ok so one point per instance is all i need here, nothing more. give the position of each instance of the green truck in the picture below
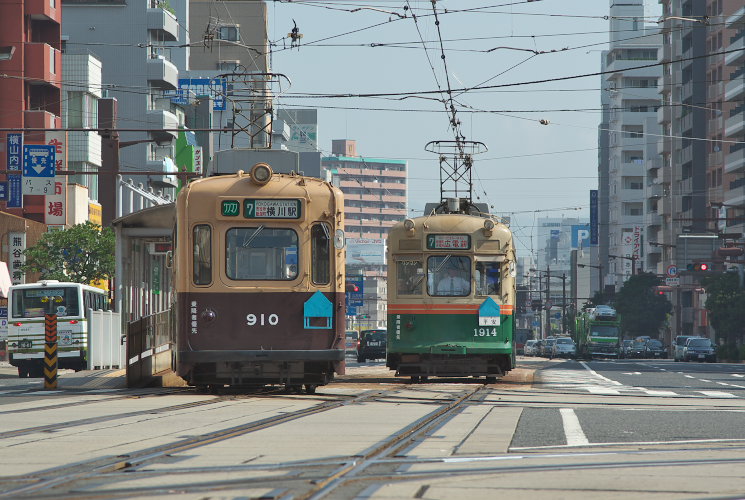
(597, 333)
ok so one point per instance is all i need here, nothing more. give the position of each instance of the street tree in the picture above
(725, 301)
(82, 253)
(642, 311)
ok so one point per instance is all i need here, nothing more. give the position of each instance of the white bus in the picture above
(27, 305)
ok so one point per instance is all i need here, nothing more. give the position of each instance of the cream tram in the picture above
(259, 277)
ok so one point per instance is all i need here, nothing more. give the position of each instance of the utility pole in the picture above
(563, 302)
(548, 300)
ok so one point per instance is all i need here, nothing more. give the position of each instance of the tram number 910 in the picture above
(262, 319)
(484, 332)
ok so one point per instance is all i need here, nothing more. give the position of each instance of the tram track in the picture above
(46, 481)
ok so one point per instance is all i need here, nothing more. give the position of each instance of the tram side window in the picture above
(320, 237)
(202, 254)
(261, 253)
(449, 275)
(409, 277)
(487, 278)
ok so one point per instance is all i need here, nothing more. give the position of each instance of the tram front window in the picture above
(410, 277)
(449, 275)
(261, 253)
(487, 278)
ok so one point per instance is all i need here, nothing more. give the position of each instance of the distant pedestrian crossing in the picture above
(588, 381)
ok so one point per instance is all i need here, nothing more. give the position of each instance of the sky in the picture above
(531, 170)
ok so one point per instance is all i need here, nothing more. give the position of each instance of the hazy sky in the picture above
(531, 170)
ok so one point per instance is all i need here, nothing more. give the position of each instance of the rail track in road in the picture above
(49, 482)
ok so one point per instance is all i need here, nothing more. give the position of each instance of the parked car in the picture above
(564, 347)
(679, 344)
(547, 347)
(539, 347)
(625, 348)
(699, 349)
(372, 345)
(350, 341)
(654, 349)
(530, 347)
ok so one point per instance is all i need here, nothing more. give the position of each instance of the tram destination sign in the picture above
(448, 242)
(271, 209)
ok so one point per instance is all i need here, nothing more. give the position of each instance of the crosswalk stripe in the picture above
(603, 390)
(717, 394)
(659, 393)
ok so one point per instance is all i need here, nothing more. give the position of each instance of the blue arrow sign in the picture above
(39, 160)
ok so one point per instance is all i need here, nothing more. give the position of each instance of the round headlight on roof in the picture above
(488, 224)
(409, 224)
(261, 173)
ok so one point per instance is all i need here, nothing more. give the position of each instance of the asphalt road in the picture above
(550, 429)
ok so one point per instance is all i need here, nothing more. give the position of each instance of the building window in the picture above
(52, 61)
(202, 254)
(230, 33)
(228, 66)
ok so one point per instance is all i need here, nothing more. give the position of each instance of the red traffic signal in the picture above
(703, 266)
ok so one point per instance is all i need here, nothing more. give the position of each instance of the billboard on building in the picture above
(365, 251)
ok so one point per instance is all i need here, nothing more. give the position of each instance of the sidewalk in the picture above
(86, 379)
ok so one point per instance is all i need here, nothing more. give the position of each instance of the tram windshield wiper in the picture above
(248, 241)
(437, 270)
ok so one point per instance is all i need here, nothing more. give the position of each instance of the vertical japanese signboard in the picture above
(55, 208)
(15, 156)
(17, 244)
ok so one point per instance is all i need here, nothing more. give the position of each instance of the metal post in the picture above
(563, 302)
(548, 300)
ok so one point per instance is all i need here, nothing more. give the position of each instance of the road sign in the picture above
(39, 168)
(672, 271)
(672, 281)
(355, 290)
(3, 190)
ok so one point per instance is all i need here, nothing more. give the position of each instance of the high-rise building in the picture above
(374, 189)
(731, 74)
(143, 46)
(630, 187)
(31, 93)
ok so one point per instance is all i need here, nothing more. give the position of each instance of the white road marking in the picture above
(598, 375)
(717, 394)
(572, 428)
(602, 390)
(704, 380)
(722, 383)
(632, 373)
(633, 443)
(737, 375)
(659, 393)
(689, 376)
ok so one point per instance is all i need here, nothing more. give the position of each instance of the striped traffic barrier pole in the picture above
(50, 351)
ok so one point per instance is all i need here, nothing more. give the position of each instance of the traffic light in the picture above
(663, 289)
(536, 304)
(699, 266)
(351, 287)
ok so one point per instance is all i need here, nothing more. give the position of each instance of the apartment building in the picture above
(733, 80)
(630, 186)
(374, 189)
(31, 95)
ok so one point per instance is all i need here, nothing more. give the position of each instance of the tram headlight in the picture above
(488, 227)
(208, 315)
(409, 225)
(261, 173)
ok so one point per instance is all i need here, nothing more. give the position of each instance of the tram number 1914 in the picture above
(262, 319)
(484, 332)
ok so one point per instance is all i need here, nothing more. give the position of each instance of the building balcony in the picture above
(653, 219)
(686, 90)
(664, 113)
(654, 191)
(42, 119)
(686, 122)
(161, 119)
(735, 125)
(633, 169)
(714, 159)
(715, 91)
(736, 57)
(654, 163)
(734, 90)
(735, 18)
(686, 186)
(163, 72)
(42, 10)
(42, 64)
(164, 23)
(715, 125)
(166, 166)
(735, 162)
(664, 145)
(735, 196)
(686, 155)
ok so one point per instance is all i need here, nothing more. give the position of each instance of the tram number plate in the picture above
(25, 344)
(485, 332)
(488, 320)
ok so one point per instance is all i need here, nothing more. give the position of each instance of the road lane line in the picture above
(737, 375)
(704, 380)
(689, 376)
(572, 428)
(717, 394)
(603, 390)
(722, 383)
(598, 375)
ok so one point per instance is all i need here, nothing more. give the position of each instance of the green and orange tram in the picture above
(451, 296)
